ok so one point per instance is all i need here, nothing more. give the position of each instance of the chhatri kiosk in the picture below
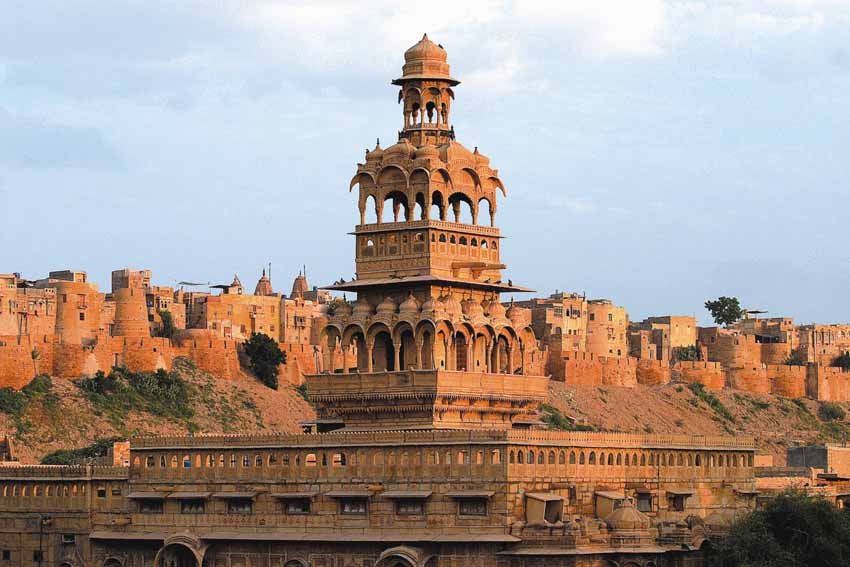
(427, 451)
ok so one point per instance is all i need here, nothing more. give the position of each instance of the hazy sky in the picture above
(657, 153)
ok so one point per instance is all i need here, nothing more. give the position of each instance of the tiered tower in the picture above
(428, 342)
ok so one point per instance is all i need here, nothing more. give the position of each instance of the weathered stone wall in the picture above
(827, 383)
(17, 367)
(709, 374)
(653, 372)
(577, 367)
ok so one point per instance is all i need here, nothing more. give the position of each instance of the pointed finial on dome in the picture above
(476, 150)
(424, 36)
(377, 142)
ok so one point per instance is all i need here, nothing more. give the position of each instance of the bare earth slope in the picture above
(65, 418)
(775, 422)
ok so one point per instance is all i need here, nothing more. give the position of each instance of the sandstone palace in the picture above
(428, 449)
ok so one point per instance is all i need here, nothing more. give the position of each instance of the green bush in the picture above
(710, 400)
(793, 529)
(691, 352)
(160, 393)
(100, 448)
(830, 411)
(265, 356)
(553, 417)
(842, 361)
(168, 329)
(796, 358)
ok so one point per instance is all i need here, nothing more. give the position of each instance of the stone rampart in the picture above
(785, 380)
(709, 374)
(653, 372)
(584, 368)
(17, 364)
(827, 383)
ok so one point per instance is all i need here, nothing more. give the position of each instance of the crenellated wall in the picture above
(827, 383)
(653, 372)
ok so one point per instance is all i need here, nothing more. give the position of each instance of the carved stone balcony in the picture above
(428, 399)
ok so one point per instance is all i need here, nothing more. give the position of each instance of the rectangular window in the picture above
(101, 492)
(194, 506)
(150, 507)
(69, 539)
(644, 502)
(677, 503)
(240, 506)
(82, 316)
(353, 506)
(7, 555)
(116, 491)
(472, 507)
(38, 555)
(297, 506)
(409, 507)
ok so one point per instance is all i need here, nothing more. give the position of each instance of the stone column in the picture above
(370, 346)
(345, 349)
(396, 357)
(420, 342)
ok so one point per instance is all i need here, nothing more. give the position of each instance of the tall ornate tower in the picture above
(428, 342)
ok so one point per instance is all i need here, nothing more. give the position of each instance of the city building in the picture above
(427, 450)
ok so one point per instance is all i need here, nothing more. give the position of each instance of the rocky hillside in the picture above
(52, 414)
(775, 422)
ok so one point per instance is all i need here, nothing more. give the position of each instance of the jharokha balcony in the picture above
(428, 399)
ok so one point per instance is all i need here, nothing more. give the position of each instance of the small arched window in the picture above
(511, 458)
(462, 241)
(540, 458)
(573, 457)
(520, 457)
(442, 238)
(581, 458)
(562, 458)
(592, 459)
(620, 459)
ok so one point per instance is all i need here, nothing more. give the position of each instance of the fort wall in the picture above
(709, 374)
(17, 366)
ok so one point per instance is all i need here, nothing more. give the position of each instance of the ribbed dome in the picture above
(453, 306)
(455, 150)
(299, 286)
(425, 49)
(480, 159)
(432, 305)
(362, 309)
(409, 306)
(472, 307)
(496, 310)
(627, 517)
(425, 60)
(428, 151)
(402, 149)
(387, 306)
(517, 315)
(343, 309)
(376, 154)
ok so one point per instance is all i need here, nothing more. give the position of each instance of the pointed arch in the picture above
(357, 179)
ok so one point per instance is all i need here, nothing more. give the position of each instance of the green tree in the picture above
(792, 530)
(842, 361)
(265, 356)
(830, 411)
(796, 358)
(690, 352)
(168, 328)
(36, 356)
(725, 310)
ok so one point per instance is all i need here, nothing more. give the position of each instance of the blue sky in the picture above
(657, 153)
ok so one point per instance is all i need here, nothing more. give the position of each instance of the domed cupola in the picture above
(480, 159)
(375, 155)
(399, 152)
(433, 305)
(519, 316)
(497, 312)
(409, 306)
(627, 518)
(343, 310)
(362, 310)
(474, 310)
(426, 60)
(387, 307)
(453, 306)
(428, 152)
